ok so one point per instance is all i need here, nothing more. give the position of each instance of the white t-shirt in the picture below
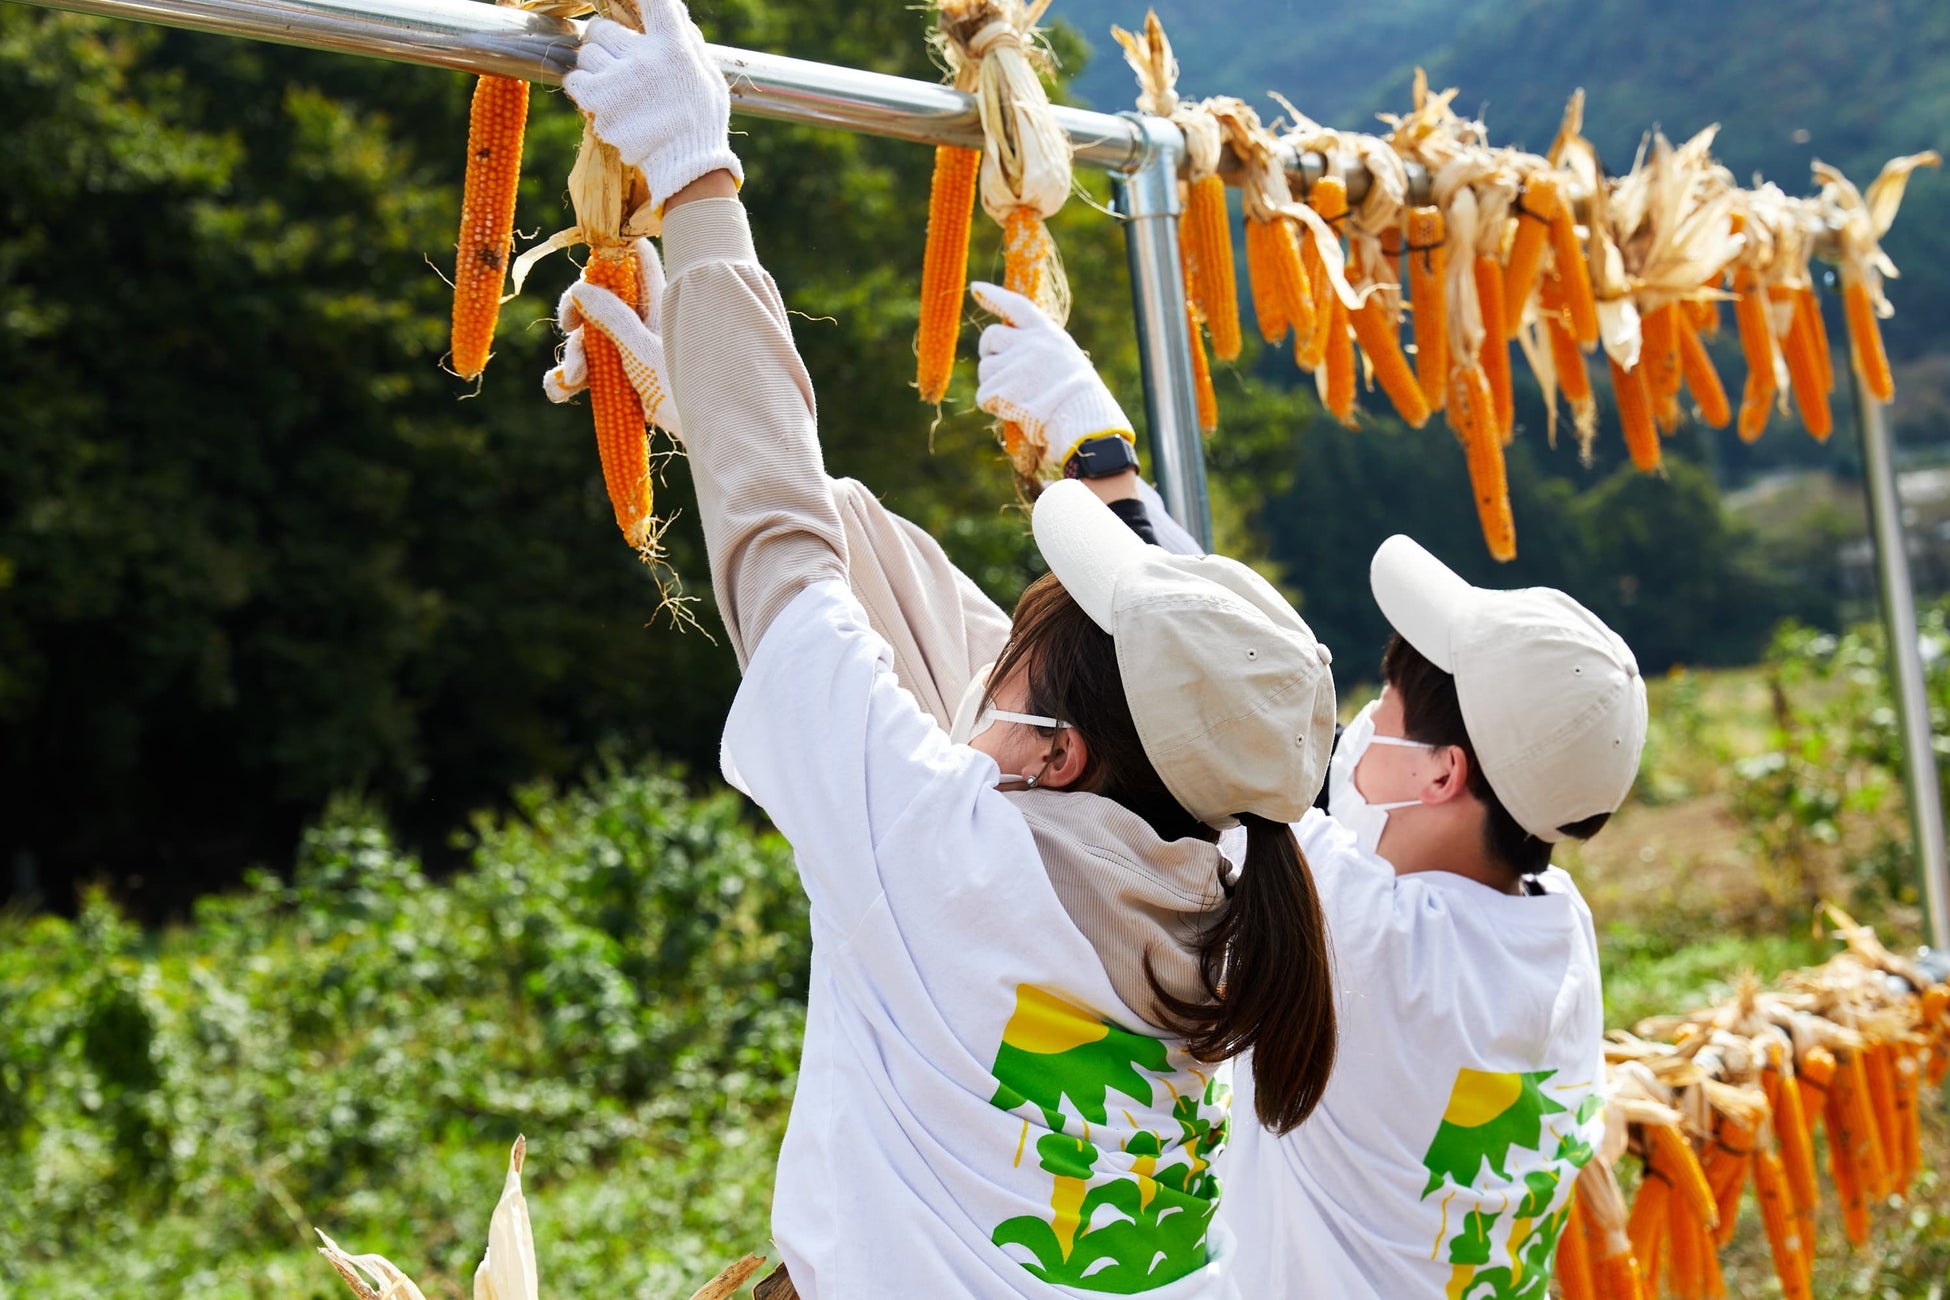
(1465, 1094)
(977, 1112)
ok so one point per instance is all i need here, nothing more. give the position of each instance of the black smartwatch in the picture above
(1101, 457)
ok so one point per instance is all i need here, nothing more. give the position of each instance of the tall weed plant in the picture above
(1823, 806)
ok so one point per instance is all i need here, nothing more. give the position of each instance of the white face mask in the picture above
(971, 719)
(1345, 803)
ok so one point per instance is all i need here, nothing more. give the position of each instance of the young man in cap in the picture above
(1466, 1093)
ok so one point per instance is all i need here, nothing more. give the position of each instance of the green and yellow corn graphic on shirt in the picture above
(1500, 1168)
(1127, 1139)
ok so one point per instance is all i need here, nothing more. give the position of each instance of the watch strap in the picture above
(1101, 456)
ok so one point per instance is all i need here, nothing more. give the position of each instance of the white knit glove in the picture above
(633, 329)
(657, 96)
(1032, 373)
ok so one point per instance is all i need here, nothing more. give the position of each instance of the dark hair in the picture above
(1432, 713)
(1264, 961)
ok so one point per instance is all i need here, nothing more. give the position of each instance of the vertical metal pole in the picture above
(1905, 659)
(1147, 199)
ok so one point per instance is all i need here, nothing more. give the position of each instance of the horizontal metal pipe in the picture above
(484, 38)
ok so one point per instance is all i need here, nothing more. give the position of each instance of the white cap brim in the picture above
(1421, 597)
(1085, 545)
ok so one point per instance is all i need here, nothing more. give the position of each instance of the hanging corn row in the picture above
(1499, 255)
(1731, 1097)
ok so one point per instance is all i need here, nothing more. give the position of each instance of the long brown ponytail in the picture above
(1264, 959)
(1269, 970)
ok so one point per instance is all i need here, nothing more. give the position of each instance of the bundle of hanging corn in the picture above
(1373, 235)
(508, 1269)
(1295, 268)
(1670, 227)
(1859, 222)
(1731, 1096)
(1455, 275)
(1204, 233)
(1025, 166)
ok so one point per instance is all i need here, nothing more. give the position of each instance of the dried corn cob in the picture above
(1865, 340)
(1268, 309)
(1685, 1243)
(1702, 380)
(1908, 1082)
(1650, 1222)
(495, 126)
(1472, 414)
(1880, 1076)
(1809, 312)
(1727, 1163)
(1675, 1158)
(1814, 1079)
(1844, 1168)
(1026, 252)
(1783, 1225)
(1375, 330)
(1328, 199)
(1290, 283)
(1797, 1155)
(1207, 399)
(1659, 359)
(1757, 343)
(1858, 1096)
(1621, 1277)
(1574, 279)
(1495, 355)
(944, 274)
(1635, 415)
(1574, 1256)
(1572, 376)
(1207, 239)
(1536, 209)
(622, 440)
(1339, 362)
(1427, 267)
(1804, 369)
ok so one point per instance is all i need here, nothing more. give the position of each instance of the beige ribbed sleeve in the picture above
(750, 429)
(940, 625)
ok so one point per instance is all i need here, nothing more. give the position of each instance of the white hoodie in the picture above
(1465, 1093)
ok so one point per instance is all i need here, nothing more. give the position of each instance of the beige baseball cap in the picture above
(1231, 693)
(1552, 698)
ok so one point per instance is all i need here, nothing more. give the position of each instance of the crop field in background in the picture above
(619, 974)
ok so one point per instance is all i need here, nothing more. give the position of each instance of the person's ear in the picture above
(1066, 759)
(1450, 780)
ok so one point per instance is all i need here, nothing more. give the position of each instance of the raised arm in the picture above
(749, 427)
